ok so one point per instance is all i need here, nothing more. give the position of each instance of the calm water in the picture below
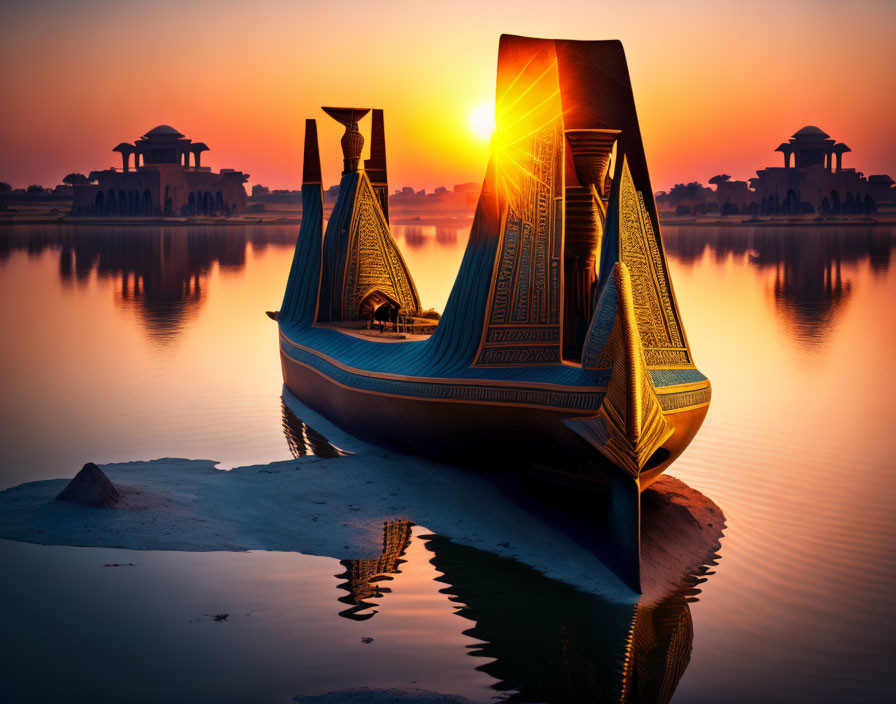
(105, 357)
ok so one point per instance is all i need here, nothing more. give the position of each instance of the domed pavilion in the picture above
(161, 175)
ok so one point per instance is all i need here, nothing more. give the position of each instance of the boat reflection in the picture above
(546, 641)
(549, 642)
(303, 440)
(364, 578)
(810, 289)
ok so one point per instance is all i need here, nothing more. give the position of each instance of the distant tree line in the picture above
(36, 190)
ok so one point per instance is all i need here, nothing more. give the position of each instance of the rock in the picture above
(91, 487)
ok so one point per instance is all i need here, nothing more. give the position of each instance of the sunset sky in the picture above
(718, 85)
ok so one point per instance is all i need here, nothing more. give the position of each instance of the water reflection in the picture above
(364, 578)
(810, 289)
(545, 641)
(549, 642)
(303, 440)
(447, 236)
(161, 271)
(414, 237)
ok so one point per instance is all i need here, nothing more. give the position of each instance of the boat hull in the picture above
(488, 434)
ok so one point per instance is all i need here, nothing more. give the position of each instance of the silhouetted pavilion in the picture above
(162, 181)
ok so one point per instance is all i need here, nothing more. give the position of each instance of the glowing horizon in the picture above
(718, 86)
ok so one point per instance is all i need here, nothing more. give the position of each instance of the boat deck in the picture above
(374, 333)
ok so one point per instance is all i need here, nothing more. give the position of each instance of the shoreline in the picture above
(438, 221)
(337, 507)
(886, 221)
(447, 220)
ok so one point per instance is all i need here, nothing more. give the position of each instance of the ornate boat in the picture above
(561, 346)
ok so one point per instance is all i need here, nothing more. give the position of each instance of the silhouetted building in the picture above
(812, 180)
(162, 181)
(817, 181)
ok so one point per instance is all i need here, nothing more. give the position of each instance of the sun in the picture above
(482, 121)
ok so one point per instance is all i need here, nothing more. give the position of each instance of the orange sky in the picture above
(718, 84)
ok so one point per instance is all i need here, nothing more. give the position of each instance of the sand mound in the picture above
(90, 487)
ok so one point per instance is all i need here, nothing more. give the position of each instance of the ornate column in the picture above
(125, 150)
(352, 141)
(590, 150)
(197, 148)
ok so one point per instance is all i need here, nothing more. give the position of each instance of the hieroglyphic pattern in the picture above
(660, 330)
(504, 335)
(526, 291)
(685, 399)
(373, 260)
(601, 327)
(528, 354)
(521, 288)
(630, 418)
(505, 271)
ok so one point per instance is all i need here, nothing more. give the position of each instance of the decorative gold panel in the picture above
(629, 426)
(660, 330)
(374, 262)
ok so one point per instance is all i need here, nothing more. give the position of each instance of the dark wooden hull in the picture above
(476, 433)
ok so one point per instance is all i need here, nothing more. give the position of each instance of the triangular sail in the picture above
(632, 239)
(360, 256)
(629, 426)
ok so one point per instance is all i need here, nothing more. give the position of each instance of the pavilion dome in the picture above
(811, 131)
(163, 131)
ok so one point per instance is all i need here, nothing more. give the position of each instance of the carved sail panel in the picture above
(360, 256)
(629, 426)
(374, 262)
(601, 326)
(522, 319)
(597, 94)
(638, 247)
